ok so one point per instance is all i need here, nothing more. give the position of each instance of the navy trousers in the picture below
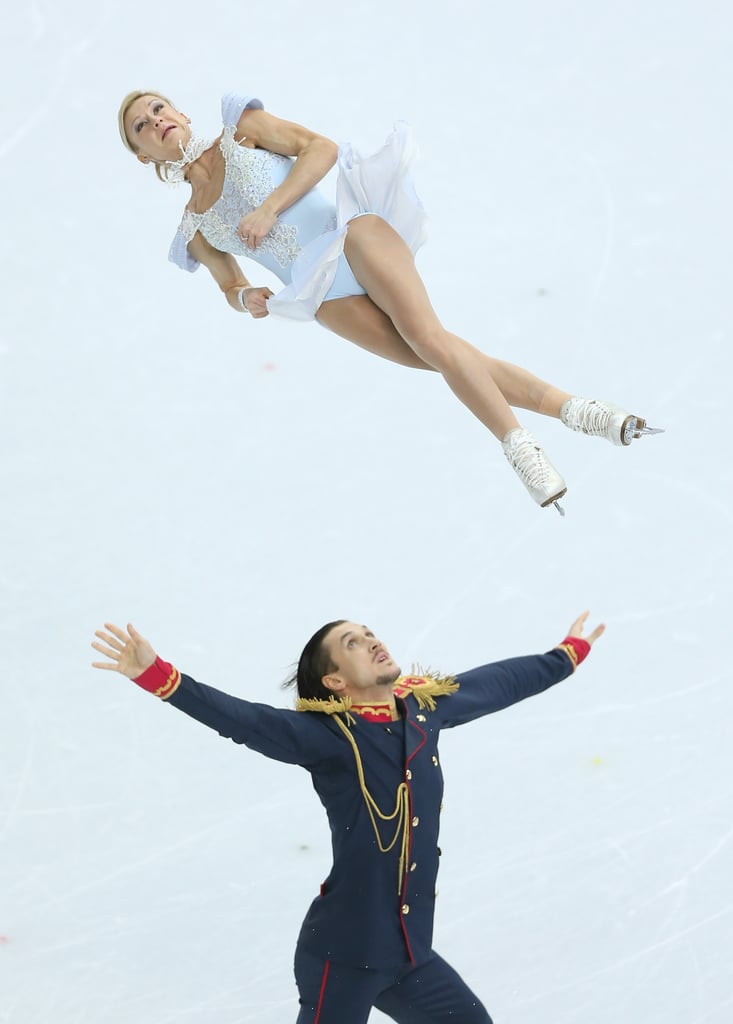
(432, 993)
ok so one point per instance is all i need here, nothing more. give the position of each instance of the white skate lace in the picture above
(589, 418)
(528, 459)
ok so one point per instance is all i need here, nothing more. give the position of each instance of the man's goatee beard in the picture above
(391, 677)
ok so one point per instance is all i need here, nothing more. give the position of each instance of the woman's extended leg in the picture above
(397, 321)
(384, 266)
(358, 320)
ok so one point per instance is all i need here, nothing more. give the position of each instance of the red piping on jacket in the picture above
(403, 894)
(322, 992)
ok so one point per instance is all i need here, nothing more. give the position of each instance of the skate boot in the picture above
(533, 468)
(602, 419)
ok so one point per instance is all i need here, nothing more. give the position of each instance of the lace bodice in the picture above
(250, 177)
(305, 248)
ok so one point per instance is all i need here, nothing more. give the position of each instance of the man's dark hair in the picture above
(314, 663)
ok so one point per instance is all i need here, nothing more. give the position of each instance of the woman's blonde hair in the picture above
(124, 107)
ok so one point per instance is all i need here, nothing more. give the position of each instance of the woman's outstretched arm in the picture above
(223, 267)
(314, 155)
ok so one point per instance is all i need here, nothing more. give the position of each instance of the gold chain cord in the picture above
(401, 810)
(424, 686)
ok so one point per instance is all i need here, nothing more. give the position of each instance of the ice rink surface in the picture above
(228, 485)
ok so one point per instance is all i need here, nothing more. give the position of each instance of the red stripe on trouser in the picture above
(322, 992)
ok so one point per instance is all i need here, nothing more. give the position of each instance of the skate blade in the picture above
(555, 500)
(635, 427)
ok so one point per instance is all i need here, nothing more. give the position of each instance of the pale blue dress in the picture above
(305, 247)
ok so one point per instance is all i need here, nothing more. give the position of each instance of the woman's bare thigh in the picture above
(357, 319)
(385, 267)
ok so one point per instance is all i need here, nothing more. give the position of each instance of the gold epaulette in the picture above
(332, 706)
(425, 687)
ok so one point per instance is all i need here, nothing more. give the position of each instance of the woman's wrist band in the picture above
(576, 648)
(161, 679)
(240, 298)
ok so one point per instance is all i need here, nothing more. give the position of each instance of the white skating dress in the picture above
(305, 247)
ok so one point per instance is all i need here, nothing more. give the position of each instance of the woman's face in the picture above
(156, 129)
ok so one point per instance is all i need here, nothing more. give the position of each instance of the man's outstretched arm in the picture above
(275, 732)
(498, 685)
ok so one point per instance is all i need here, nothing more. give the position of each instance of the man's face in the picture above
(365, 669)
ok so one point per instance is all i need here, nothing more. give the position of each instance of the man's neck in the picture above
(382, 709)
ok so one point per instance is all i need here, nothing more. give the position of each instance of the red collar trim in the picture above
(373, 712)
(383, 712)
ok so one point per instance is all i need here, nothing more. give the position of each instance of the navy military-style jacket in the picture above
(375, 908)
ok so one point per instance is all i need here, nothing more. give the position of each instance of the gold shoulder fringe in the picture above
(332, 706)
(431, 685)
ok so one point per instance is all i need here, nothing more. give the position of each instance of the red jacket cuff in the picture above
(161, 679)
(576, 648)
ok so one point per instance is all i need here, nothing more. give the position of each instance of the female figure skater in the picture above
(350, 266)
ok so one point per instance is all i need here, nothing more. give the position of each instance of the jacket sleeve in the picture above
(282, 735)
(494, 687)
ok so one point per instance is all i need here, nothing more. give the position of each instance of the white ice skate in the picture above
(533, 468)
(602, 419)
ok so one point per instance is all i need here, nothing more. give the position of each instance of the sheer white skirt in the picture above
(380, 184)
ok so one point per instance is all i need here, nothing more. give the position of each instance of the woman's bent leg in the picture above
(383, 264)
(358, 320)
(406, 330)
(385, 267)
(525, 391)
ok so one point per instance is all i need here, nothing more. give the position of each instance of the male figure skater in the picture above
(369, 738)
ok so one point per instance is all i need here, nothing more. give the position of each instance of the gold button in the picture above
(415, 821)
(435, 761)
(413, 866)
(408, 774)
(421, 718)
(405, 908)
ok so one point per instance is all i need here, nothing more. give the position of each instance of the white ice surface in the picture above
(228, 485)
